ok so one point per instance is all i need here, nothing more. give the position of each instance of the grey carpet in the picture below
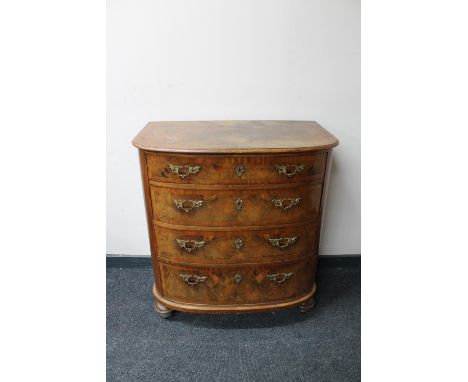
(322, 345)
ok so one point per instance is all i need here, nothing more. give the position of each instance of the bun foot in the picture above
(162, 310)
(307, 305)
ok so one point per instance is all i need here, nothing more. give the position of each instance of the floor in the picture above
(322, 345)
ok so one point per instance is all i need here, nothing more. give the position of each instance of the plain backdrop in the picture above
(224, 59)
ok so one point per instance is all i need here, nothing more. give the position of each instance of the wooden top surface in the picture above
(234, 137)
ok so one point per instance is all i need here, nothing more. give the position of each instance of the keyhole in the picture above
(238, 204)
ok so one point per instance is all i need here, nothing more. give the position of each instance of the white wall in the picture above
(232, 59)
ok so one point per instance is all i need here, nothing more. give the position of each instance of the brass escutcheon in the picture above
(238, 243)
(238, 204)
(240, 169)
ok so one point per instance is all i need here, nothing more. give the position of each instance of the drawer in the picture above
(236, 284)
(236, 246)
(234, 207)
(244, 169)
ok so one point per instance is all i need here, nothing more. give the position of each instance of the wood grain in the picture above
(232, 308)
(234, 137)
(149, 217)
(218, 207)
(259, 169)
(220, 286)
(235, 245)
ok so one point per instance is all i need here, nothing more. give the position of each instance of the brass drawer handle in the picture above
(190, 245)
(286, 204)
(183, 170)
(193, 280)
(182, 204)
(283, 242)
(279, 277)
(289, 169)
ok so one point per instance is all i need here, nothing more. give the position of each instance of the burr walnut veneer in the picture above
(234, 212)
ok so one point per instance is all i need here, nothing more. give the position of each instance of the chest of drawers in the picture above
(234, 211)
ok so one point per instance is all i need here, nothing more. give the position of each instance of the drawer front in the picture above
(236, 246)
(235, 169)
(221, 207)
(236, 284)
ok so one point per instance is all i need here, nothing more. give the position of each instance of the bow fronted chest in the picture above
(234, 211)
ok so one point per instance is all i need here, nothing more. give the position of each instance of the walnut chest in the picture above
(234, 212)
